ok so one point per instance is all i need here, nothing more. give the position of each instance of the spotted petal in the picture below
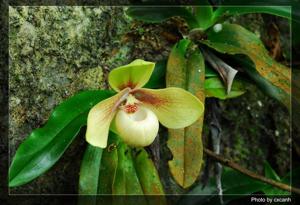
(174, 107)
(134, 75)
(100, 117)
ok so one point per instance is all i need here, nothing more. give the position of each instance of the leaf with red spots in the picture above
(234, 39)
(186, 143)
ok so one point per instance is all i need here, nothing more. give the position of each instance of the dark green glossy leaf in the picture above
(157, 79)
(45, 146)
(187, 71)
(160, 14)
(214, 87)
(234, 39)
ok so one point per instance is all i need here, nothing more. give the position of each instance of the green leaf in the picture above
(226, 11)
(122, 171)
(133, 75)
(267, 87)
(160, 14)
(89, 170)
(214, 87)
(269, 190)
(234, 39)
(148, 177)
(109, 163)
(270, 172)
(209, 72)
(126, 180)
(186, 144)
(44, 146)
(204, 15)
(89, 174)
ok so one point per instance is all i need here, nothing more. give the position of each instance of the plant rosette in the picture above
(134, 112)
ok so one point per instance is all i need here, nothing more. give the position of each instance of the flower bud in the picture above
(137, 129)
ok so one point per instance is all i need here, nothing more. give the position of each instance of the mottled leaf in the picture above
(234, 39)
(266, 86)
(186, 144)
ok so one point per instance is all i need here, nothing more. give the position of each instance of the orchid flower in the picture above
(134, 112)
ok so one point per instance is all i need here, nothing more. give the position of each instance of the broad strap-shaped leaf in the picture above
(109, 163)
(148, 177)
(227, 11)
(134, 75)
(147, 173)
(159, 14)
(123, 171)
(186, 144)
(89, 170)
(89, 174)
(234, 39)
(100, 117)
(214, 87)
(98, 170)
(126, 181)
(193, 133)
(266, 86)
(174, 107)
(45, 146)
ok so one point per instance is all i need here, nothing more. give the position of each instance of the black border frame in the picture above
(4, 63)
